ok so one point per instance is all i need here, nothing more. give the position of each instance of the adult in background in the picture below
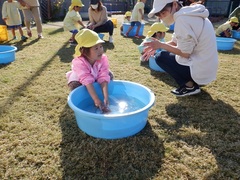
(191, 57)
(236, 13)
(99, 21)
(32, 11)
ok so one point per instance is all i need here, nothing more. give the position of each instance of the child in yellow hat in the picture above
(90, 65)
(224, 30)
(158, 31)
(73, 20)
(126, 19)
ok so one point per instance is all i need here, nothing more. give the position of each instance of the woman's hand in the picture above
(154, 44)
(150, 49)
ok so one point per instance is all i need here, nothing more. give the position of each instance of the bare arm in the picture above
(81, 23)
(93, 95)
(104, 87)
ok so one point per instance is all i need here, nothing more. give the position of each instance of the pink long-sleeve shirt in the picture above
(86, 73)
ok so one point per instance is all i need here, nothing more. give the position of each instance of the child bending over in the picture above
(73, 20)
(90, 65)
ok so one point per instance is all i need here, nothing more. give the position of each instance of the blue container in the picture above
(101, 36)
(7, 54)
(225, 44)
(112, 126)
(236, 34)
(153, 65)
(134, 29)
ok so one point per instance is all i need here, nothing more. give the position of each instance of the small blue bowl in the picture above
(7, 54)
(128, 101)
(153, 65)
(236, 34)
(225, 44)
(134, 29)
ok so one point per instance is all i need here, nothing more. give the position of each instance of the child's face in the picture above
(77, 8)
(96, 52)
(160, 35)
(128, 18)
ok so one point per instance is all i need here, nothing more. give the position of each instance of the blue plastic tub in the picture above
(225, 43)
(7, 54)
(134, 29)
(236, 34)
(124, 122)
(153, 65)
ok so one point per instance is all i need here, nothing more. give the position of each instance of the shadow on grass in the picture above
(59, 30)
(85, 157)
(21, 44)
(22, 87)
(219, 123)
(162, 76)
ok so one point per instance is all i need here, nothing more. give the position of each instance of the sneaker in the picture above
(186, 91)
(23, 38)
(110, 39)
(40, 36)
(14, 37)
(137, 36)
(125, 35)
(29, 33)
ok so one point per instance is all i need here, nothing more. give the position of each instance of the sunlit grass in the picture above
(185, 138)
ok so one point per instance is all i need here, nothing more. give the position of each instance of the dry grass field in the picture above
(185, 138)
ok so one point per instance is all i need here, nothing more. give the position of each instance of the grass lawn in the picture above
(185, 138)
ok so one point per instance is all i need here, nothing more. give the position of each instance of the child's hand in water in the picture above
(105, 109)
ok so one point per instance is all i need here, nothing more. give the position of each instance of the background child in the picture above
(126, 19)
(157, 31)
(236, 13)
(90, 65)
(73, 20)
(137, 17)
(224, 30)
(11, 15)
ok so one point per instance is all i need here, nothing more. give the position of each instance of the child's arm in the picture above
(93, 95)
(104, 86)
(141, 12)
(81, 23)
(227, 33)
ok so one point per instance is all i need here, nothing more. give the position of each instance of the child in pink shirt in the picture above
(90, 65)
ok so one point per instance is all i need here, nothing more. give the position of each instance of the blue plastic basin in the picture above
(225, 43)
(236, 34)
(134, 29)
(154, 66)
(7, 54)
(112, 126)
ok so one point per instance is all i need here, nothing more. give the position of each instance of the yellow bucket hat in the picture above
(75, 3)
(156, 27)
(128, 13)
(86, 38)
(234, 20)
